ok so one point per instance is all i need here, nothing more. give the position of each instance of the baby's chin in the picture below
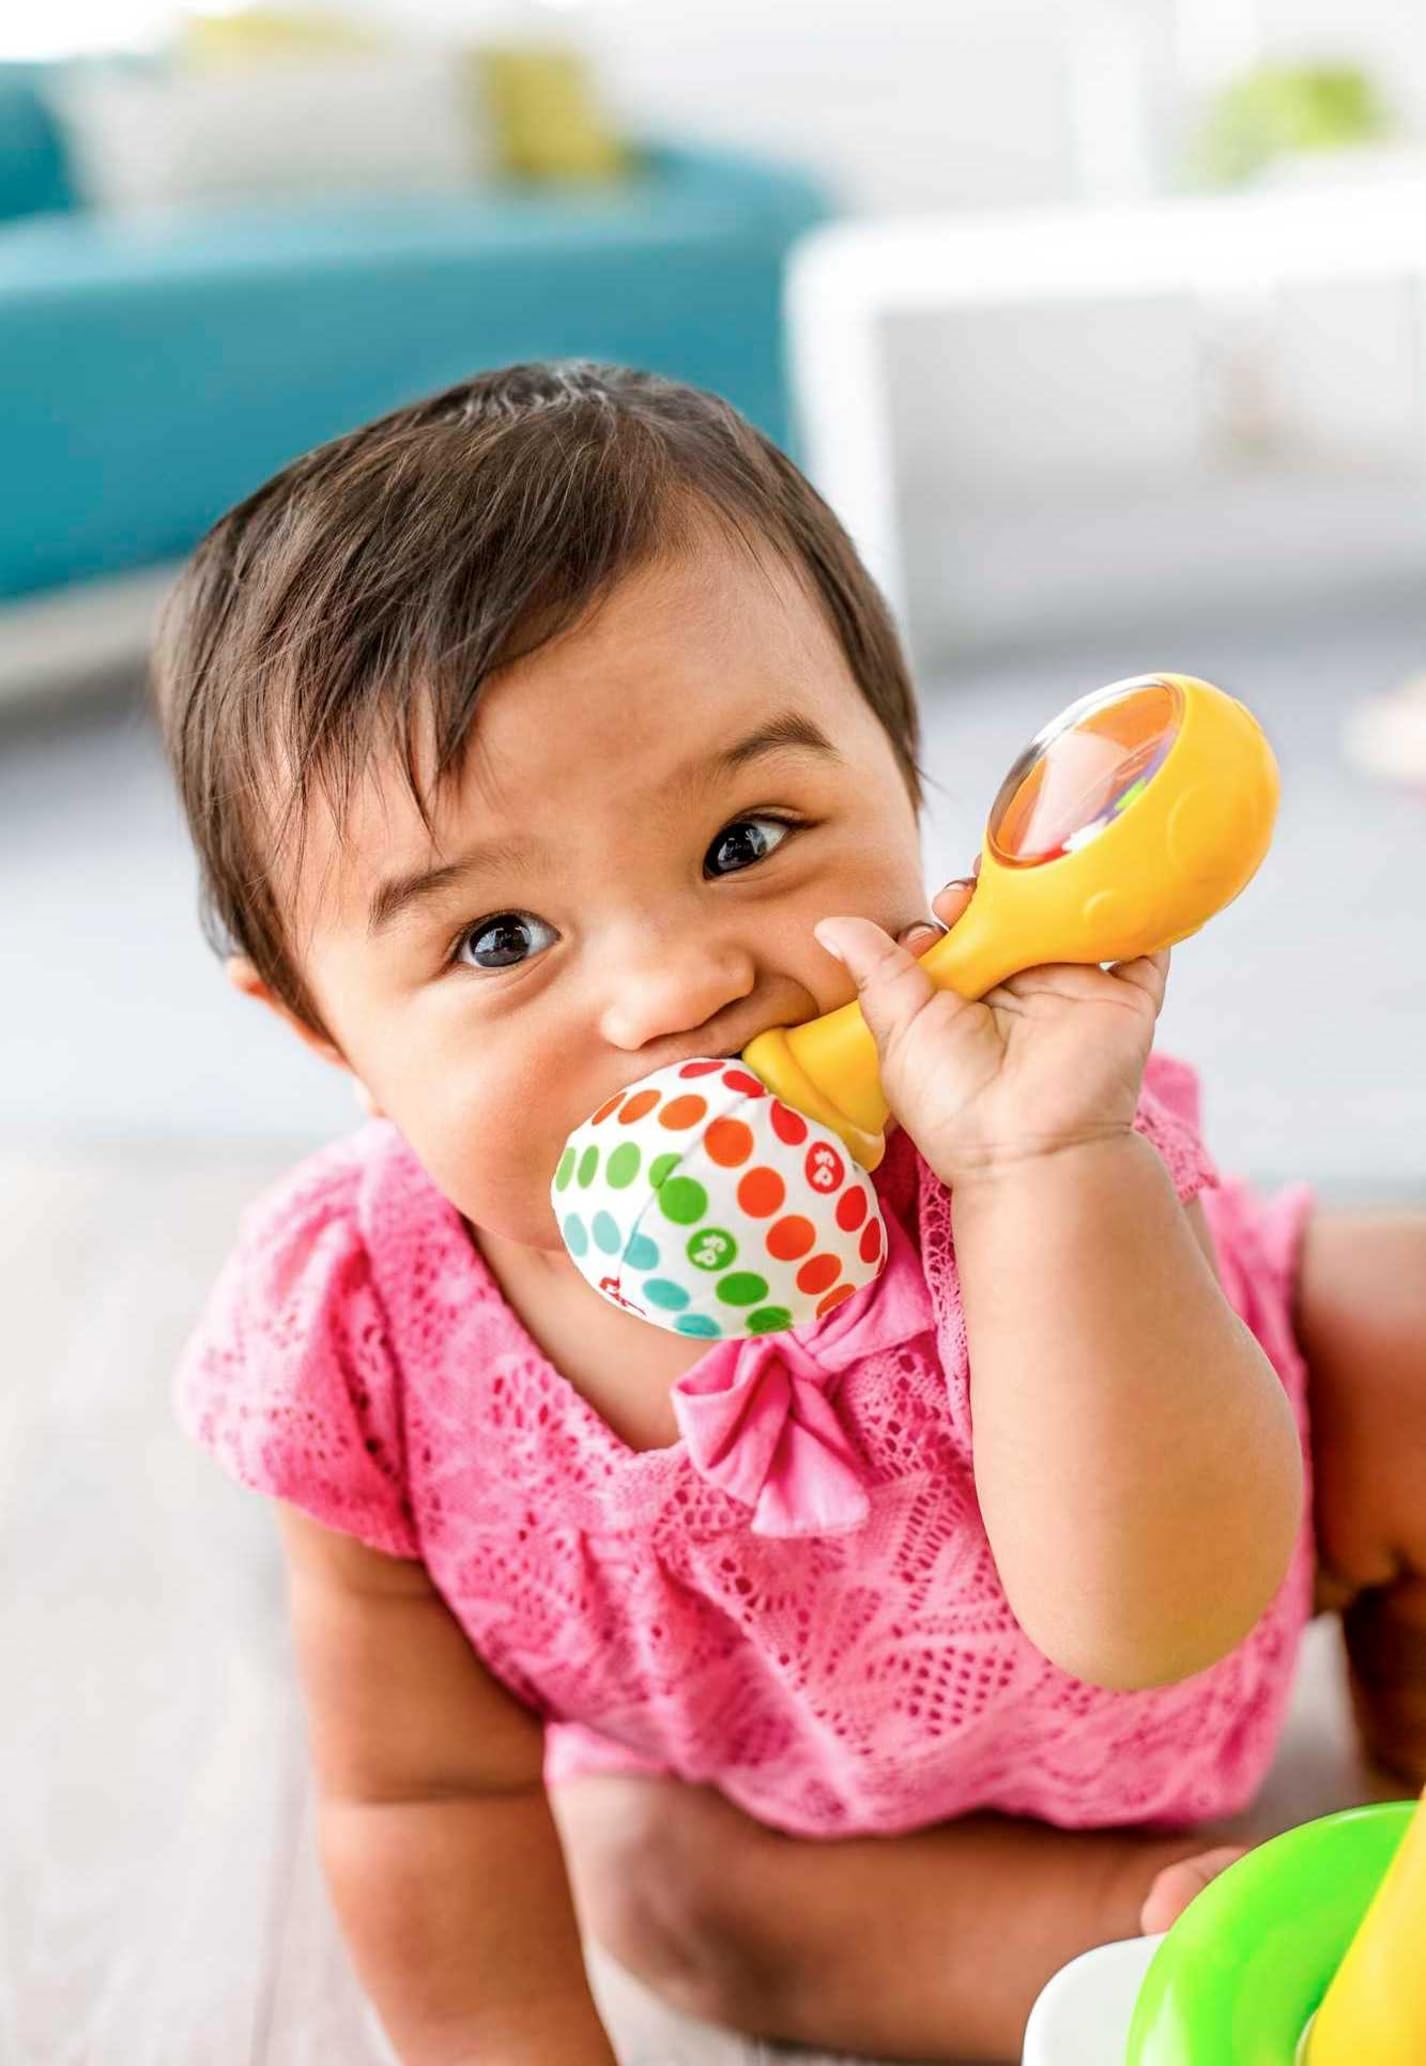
(530, 1242)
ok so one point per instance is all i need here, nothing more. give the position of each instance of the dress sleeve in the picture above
(1168, 1117)
(289, 1379)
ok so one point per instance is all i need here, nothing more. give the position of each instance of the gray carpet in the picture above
(1304, 1005)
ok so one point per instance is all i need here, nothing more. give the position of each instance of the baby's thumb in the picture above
(892, 986)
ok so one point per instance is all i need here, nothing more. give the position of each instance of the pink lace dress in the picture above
(796, 1601)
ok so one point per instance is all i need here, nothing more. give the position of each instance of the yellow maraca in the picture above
(698, 1202)
(1122, 828)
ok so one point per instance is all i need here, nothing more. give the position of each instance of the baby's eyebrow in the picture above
(789, 731)
(402, 892)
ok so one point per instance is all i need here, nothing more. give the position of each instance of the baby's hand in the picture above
(1176, 1885)
(1047, 1060)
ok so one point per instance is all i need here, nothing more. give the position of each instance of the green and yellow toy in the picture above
(1306, 1952)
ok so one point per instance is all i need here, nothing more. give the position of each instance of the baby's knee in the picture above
(656, 1868)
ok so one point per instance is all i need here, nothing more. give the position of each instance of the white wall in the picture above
(1060, 466)
(899, 105)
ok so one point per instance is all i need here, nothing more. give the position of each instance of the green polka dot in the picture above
(711, 1248)
(575, 1238)
(623, 1165)
(661, 1165)
(608, 1234)
(743, 1288)
(768, 1320)
(641, 1253)
(683, 1200)
(659, 1292)
(698, 1323)
(588, 1163)
(565, 1170)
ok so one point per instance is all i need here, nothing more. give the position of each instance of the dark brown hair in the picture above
(375, 583)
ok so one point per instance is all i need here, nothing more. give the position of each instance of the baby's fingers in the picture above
(948, 904)
(893, 988)
(1148, 974)
(1177, 1885)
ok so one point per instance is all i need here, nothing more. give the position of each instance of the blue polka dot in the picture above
(641, 1253)
(697, 1323)
(607, 1233)
(659, 1292)
(575, 1238)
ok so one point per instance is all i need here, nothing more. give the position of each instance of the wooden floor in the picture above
(160, 1902)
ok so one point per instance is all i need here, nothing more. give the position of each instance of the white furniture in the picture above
(1083, 2016)
(847, 279)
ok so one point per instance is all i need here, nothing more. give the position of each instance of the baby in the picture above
(527, 736)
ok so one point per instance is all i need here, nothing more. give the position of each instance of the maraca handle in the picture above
(797, 1062)
(975, 954)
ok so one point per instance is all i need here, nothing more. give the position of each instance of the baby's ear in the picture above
(245, 979)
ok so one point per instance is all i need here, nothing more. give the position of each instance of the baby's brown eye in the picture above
(499, 942)
(734, 839)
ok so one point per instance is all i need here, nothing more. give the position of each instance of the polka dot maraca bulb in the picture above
(704, 1204)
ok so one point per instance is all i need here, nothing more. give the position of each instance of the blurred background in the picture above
(1116, 435)
(227, 233)
(1103, 325)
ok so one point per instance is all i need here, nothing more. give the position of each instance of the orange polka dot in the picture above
(870, 1242)
(851, 1209)
(819, 1273)
(681, 1112)
(835, 1298)
(789, 1238)
(761, 1191)
(728, 1142)
(606, 1108)
(642, 1101)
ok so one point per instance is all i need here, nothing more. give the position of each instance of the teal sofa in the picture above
(154, 369)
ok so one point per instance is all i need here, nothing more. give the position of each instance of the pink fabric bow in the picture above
(760, 1424)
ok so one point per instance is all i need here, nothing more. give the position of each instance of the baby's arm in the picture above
(927, 1945)
(1136, 1458)
(434, 1829)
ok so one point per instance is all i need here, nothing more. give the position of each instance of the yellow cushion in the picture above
(542, 110)
(257, 34)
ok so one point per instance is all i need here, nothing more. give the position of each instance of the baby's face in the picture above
(603, 897)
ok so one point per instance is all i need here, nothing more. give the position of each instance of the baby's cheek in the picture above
(493, 1147)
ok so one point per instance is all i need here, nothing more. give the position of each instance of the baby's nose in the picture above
(665, 995)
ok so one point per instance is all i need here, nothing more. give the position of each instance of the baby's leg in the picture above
(931, 1945)
(1362, 1325)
